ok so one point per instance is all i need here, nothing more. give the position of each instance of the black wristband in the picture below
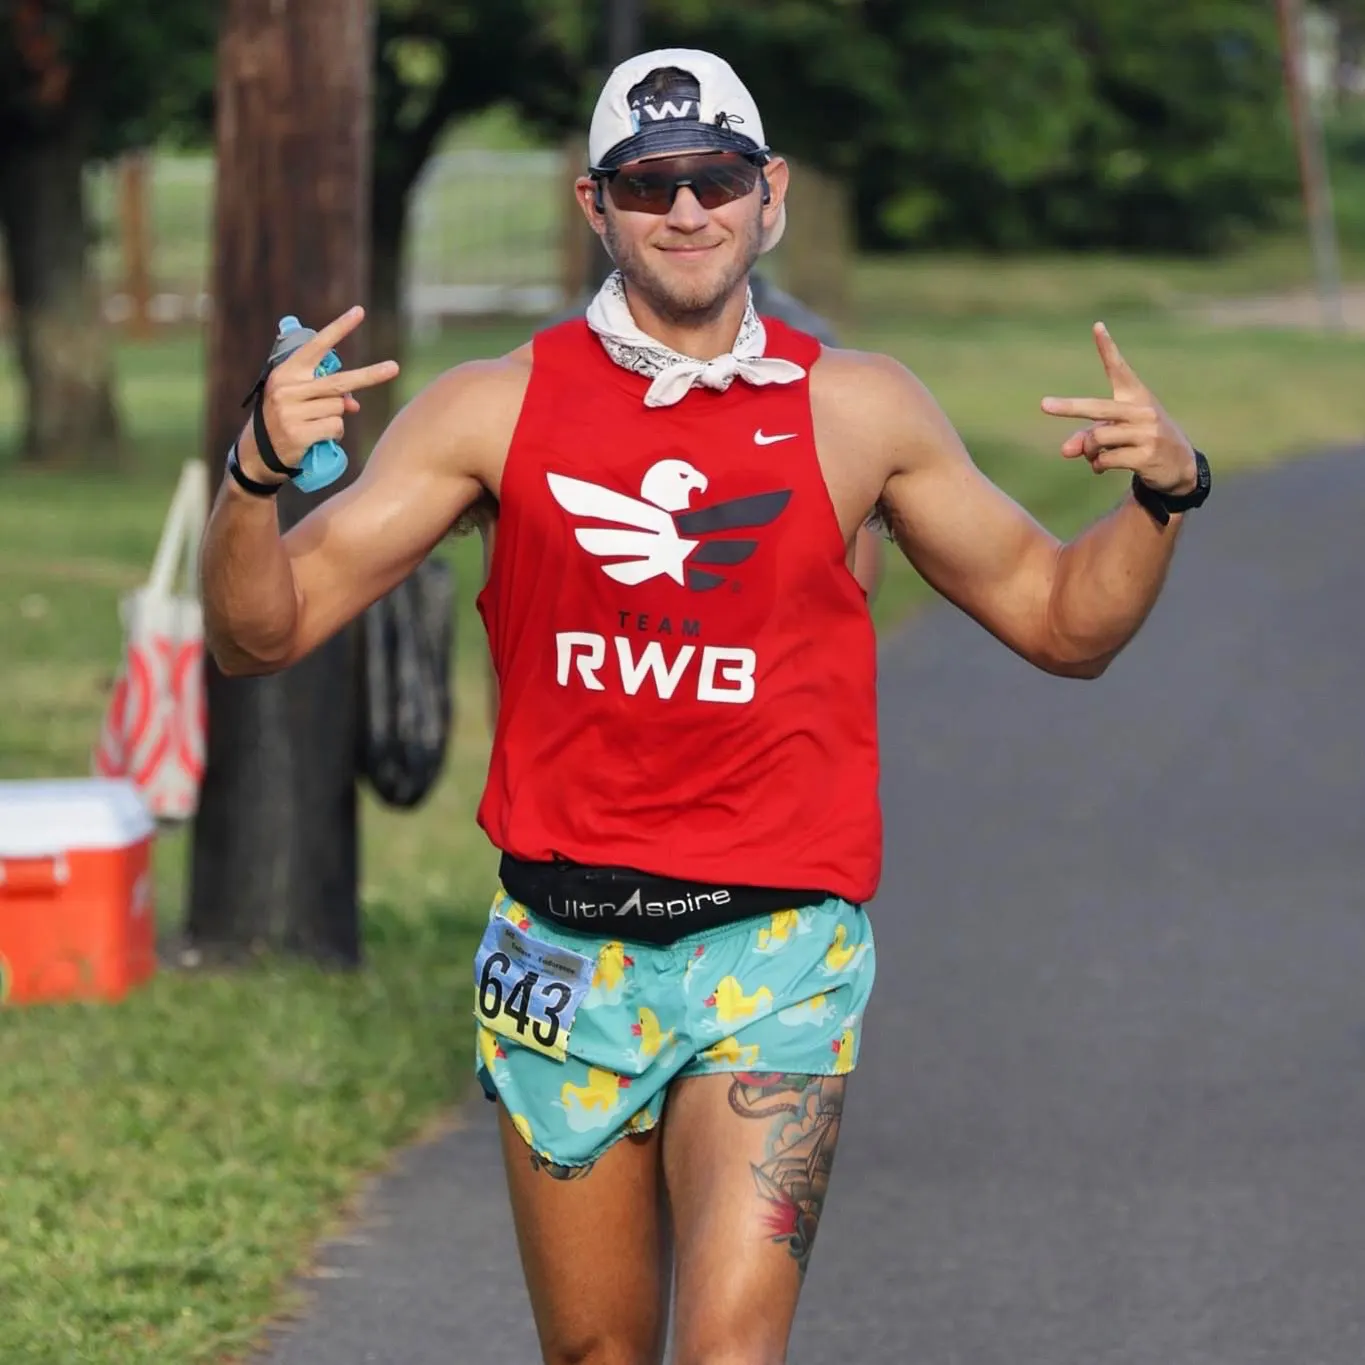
(245, 482)
(1160, 505)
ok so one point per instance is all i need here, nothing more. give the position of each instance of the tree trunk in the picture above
(63, 345)
(274, 858)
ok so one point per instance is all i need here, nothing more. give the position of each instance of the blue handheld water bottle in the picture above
(324, 462)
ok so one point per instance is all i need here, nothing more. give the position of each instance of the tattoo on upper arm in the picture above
(793, 1178)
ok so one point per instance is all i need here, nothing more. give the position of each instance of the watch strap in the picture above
(1161, 505)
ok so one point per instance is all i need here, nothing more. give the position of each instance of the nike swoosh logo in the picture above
(761, 440)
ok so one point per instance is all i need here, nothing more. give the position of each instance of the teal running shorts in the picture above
(579, 1036)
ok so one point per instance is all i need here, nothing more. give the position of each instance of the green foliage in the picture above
(1152, 124)
(124, 72)
(1345, 139)
(1136, 124)
(438, 60)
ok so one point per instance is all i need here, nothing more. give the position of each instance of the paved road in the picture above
(1111, 1109)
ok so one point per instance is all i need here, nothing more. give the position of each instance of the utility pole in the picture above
(274, 859)
(623, 41)
(1317, 189)
(623, 30)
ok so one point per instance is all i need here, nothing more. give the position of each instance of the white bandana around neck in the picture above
(673, 373)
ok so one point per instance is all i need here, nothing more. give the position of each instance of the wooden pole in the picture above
(1317, 190)
(274, 859)
(135, 230)
(623, 37)
(577, 240)
(623, 41)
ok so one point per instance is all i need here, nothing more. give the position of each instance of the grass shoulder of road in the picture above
(168, 1162)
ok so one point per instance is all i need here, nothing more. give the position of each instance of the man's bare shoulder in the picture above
(478, 402)
(463, 420)
(495, 381)
(873, 401)
(863, 379)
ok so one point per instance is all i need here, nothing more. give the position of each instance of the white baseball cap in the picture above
(695, 103)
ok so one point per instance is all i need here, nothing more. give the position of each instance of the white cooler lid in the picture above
(58, 815)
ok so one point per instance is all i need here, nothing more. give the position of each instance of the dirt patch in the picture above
(1301, 308)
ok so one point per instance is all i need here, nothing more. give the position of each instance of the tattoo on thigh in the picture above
(557, 1172)
(794, 1175)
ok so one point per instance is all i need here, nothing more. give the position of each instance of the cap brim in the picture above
(675, 136)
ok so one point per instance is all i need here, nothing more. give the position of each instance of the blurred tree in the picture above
(1137, 123)
(274, 858)
(437, 61)
(78, 79)
(87, 79)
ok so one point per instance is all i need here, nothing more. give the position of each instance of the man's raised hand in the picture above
(1131, 430)
(299, 409)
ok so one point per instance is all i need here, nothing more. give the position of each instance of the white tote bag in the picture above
(156, 724)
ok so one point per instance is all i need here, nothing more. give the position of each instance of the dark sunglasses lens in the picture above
(723, 182)
(642, 191)
(652, 188)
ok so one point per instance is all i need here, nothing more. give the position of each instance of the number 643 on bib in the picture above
(528, 991)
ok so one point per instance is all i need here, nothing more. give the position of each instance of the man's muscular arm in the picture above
(1066, 608)
(270, 600)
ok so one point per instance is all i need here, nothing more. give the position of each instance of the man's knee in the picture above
(734, 1341)
(629, 1332)
(755, 1353)
(597, 1348)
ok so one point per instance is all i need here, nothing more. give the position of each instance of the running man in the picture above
(683, 783)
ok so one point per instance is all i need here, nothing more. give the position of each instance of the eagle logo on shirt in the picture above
(656, 535)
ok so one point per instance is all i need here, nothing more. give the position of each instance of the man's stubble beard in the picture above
(688, 309)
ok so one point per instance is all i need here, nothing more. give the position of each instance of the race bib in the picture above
(527, 990)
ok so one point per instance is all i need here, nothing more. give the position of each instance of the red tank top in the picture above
(687, 668)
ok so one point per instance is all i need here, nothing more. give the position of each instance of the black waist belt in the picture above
(619, 902)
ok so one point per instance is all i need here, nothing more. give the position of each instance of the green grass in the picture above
(967, 285)
(166, 1163)
(163, 1162)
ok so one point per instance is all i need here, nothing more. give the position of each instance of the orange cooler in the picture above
(76, 914)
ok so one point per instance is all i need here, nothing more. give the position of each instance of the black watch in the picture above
(1161, 505)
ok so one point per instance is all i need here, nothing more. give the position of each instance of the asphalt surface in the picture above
(1111, 1102)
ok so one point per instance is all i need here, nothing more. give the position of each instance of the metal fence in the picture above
(485, 235)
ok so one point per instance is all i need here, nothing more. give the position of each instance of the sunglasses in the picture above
(652, 186)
